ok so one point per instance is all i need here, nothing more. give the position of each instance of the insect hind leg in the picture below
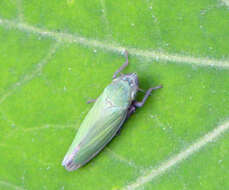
(91, 101)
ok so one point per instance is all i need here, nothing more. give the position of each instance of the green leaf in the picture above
(56, 55)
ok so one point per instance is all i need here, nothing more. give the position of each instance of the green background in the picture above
(66, 52)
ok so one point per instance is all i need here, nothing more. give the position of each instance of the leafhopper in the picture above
(110, 110)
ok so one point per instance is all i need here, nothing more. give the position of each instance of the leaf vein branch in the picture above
(10, 185)
(32, 74)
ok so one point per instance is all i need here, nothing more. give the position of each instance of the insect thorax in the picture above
(119, 93)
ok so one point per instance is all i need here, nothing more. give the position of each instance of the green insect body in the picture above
(104, 120)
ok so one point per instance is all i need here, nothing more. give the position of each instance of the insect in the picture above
(104, 120)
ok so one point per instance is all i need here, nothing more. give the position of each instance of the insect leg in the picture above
(141, 90)
(140, 104)
(92, 100)
(131, 110)
(123, 66)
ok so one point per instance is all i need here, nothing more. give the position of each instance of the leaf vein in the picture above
(122, 159)
(148, 54)
(183, 155)
(32, 74)
(10, 185)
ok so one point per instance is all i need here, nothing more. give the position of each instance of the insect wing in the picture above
(98, 128)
